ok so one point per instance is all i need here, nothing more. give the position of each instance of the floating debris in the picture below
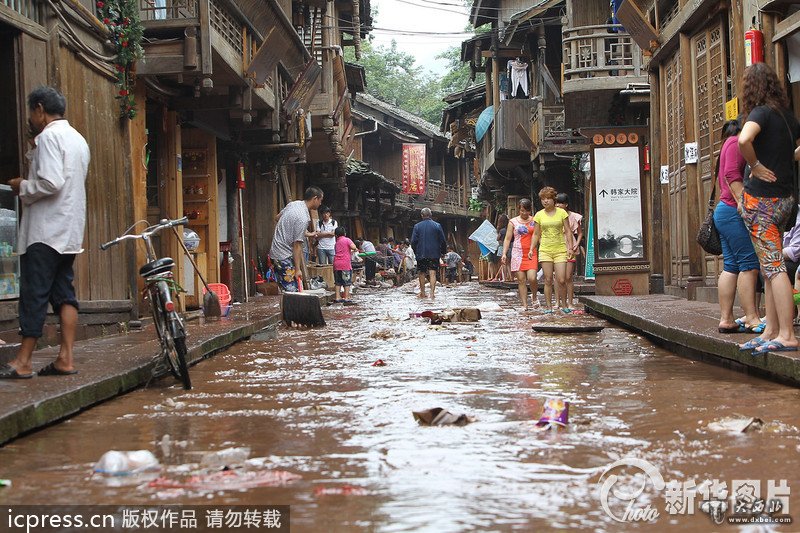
(440, 417)
(736, 424)
(554, 414)
(344, 490)
(116, 463)
(228, 480)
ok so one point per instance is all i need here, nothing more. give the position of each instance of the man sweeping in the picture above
(291, 231)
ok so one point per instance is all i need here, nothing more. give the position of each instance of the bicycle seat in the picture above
(159, 266)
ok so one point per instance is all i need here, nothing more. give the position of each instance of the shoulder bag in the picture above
(708, 236)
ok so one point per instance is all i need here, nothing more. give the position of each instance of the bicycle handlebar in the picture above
(151, 230)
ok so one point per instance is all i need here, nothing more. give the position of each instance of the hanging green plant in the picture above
(475, 205)
(121, 17)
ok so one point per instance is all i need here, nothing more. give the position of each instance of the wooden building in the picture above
(529, 142)
(244, 100)
(384, 210)
(62, 44)
(696, 64)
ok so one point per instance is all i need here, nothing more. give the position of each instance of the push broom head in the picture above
(301, 309)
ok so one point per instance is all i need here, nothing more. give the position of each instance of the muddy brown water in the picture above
(311, 403)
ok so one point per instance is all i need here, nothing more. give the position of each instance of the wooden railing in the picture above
(31, 9)
(597, 51)
(169, 10)
(446, 194)
(451, 196)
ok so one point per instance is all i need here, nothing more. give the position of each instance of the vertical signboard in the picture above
(414, 175)
(589, 270)
(619, 203)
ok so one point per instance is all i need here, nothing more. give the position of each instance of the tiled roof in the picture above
(412, 120)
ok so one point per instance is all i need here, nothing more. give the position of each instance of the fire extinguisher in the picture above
(753, 47)
(647, 157)
(240, 176)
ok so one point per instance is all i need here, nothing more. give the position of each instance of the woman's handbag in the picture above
(708, 236)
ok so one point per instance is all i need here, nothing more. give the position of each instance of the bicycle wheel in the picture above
(173, 348)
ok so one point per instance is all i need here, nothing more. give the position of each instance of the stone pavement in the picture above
(115, 364)
(689, 328)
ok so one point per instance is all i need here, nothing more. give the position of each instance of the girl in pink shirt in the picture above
(342, 265)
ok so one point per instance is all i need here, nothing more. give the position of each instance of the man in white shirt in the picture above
(50, 232)
(326, 240)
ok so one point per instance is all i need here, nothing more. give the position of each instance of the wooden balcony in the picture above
(439, 197)
(219, 38)
(509, 142)
(597, 58)
(22, 10)
(549, 132)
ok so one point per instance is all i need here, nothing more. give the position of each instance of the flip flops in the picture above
(733, 329)
(773, 346)
(9, 372)
(752, 344)
(51, 370)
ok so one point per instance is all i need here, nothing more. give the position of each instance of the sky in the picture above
(435, 16)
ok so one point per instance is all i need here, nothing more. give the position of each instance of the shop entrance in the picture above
(10, 131)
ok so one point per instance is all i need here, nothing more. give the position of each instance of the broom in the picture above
(211, 306)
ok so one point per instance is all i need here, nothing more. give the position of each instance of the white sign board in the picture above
(664, 174)
(618, 198)
(690, 152)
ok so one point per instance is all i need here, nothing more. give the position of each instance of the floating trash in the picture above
(554, 414)
(344, 490)
(736, 424)
(440, 417)
(116, 463)
(228, 480)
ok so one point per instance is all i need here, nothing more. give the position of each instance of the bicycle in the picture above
(159, 281)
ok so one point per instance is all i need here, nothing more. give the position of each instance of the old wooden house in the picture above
(384, 206)
(698, 54)
(247, 104)
(64, 45)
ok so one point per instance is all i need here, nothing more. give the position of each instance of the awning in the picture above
(539, 7)
(484, 122)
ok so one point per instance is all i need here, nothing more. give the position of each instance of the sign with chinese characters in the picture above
(664, 175)
(732, 108)
(414, 175)
(618, 198)
(690, 153)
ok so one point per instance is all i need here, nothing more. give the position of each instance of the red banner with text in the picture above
(414, 178)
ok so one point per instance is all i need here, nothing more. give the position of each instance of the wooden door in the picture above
(710, 76)
(674, 117)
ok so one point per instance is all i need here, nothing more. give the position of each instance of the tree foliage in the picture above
(393, 77)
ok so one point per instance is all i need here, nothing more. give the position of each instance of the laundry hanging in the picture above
(518, 72)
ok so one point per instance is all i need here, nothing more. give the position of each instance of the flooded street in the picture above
(310, 402)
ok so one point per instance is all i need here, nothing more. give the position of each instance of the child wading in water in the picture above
(576, 225)
(343, 266)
